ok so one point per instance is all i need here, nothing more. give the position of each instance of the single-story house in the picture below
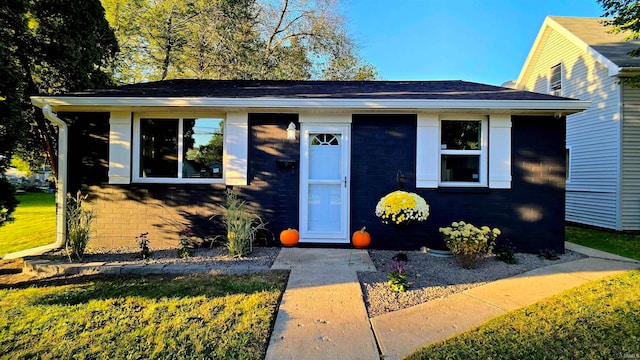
(581, 58)
(316, 156)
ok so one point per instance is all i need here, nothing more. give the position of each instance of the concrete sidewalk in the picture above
(322, 313)
(400, 333)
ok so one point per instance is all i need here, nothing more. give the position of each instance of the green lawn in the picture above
(623, 244)
(598, 320)
(35, 223)
(185, 317)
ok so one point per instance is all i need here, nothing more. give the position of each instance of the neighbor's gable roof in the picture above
(263, 94)
(591, 35)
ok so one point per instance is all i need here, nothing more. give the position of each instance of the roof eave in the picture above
(69, 103)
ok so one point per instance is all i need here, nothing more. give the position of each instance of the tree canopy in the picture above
(233, 39)
(46, 47)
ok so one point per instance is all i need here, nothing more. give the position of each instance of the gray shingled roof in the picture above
(415, 90)
(596, 34)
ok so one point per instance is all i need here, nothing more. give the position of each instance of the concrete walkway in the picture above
(322, 314)
(402, 332)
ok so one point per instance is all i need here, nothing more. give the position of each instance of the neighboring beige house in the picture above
(580, 58)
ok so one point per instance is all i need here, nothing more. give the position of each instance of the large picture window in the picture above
(463, 152)
(179, 149)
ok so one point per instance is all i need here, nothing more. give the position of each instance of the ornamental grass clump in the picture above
(401, 207)
(242, 226)
(470, 245)
(79, 219)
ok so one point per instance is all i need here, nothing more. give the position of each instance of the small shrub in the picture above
(506, 252)
(183, 249)
(469, 244)
(397, 277)
(549, 254)
(143, 244)
(79, 220)
(242, 226)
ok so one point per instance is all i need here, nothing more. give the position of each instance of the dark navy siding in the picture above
(273, 187)
(530, 215)
(88, 149)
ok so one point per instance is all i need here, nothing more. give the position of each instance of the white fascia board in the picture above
(550, 24)
(524, 72)
(68, 103)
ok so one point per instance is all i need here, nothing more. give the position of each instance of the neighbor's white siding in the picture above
(630, 180)
(593, 135)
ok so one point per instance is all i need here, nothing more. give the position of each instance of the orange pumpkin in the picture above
(361, 239)
(289, 237)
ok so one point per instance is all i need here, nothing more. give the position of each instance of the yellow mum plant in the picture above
(401, 207)
(469, 244)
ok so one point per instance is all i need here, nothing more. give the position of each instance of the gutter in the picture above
(61, 192)
(75, 103)
(61, 198)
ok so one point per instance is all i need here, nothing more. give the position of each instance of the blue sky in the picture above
(484, 41)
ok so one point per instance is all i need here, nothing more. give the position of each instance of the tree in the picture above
(51, 47)
(625, 17)
(46, 47)
(233, 39)
(317, 27)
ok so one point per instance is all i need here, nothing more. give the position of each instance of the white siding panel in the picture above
(630, 197)
(593, 135)
(596, 209)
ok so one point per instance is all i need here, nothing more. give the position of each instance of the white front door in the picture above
(324, 183)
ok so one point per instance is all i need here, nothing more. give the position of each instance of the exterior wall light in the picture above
(291, 131)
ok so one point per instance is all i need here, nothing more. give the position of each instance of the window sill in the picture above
(466, 189)
(180, 181)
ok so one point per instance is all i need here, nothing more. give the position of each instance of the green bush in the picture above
(8, 201)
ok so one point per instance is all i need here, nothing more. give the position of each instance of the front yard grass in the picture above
(34, 225)
(598, 320)
(185, 317)
(623, 244)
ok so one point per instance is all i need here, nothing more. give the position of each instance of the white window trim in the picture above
(135, 154)
(550, 84)
(483, 152)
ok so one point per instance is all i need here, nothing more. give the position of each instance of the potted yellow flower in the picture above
(401, 207)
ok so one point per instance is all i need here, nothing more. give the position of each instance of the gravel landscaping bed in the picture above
(218, 255)
(433, 277)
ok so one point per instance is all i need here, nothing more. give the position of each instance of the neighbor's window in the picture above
(462, 156)
(179, 148)
(555, 80)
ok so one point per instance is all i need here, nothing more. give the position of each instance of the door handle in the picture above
(345, 181)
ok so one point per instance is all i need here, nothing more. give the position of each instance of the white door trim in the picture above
(344, 129)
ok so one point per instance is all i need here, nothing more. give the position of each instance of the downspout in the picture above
(61, 192)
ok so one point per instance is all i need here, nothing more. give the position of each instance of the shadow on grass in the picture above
(83, 289)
